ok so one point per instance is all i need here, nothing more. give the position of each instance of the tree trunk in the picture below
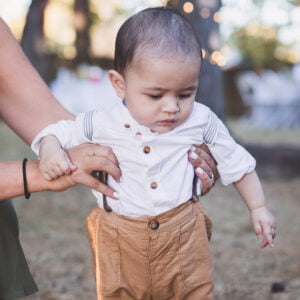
(33, 41)
(82, 26)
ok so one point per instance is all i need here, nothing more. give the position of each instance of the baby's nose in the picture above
(171, 105)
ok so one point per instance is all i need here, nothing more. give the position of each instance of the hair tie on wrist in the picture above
(26, 194)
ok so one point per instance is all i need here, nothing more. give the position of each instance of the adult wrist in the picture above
(35, 180)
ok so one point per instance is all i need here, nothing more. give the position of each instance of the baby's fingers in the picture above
(49, 174)
(258, 230)
(268, 240)
(265, 232)
(269, 235)
(264, 243)
(47, 177)
(66, 166)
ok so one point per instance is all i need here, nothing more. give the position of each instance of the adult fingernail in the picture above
(193, 148)
(199, 170)
(194, 155)
(116, 195)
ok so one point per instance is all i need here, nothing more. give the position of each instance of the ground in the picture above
(53, 238)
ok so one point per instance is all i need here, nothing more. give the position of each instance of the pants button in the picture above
(154, 224)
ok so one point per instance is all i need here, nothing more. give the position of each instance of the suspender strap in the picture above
(88, 125)
(102, 176)
(195, 197)
(88, 132)
(211, 130)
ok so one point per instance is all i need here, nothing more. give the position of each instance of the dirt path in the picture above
(52, 233)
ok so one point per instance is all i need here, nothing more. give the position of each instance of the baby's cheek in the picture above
(186, 111)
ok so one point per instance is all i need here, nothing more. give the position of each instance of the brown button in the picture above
(153, 185)
(152, 130)
(146, 149)
(127, 125)
(138, 133)
(154, 224)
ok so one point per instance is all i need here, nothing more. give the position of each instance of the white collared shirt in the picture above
(156, 173)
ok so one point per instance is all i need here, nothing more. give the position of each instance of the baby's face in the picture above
(160, 93)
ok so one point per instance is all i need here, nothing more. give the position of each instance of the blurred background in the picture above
(250, 78)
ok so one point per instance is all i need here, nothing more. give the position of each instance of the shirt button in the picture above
(138, 133)
(153, 185)
(154, 224)
(146, 149)
(127, 125)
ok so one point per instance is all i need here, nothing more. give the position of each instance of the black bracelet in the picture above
(26, 194)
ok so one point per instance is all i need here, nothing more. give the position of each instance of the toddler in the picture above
(154, 244)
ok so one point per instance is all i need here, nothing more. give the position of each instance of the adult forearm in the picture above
(87, 158)
(26, 103)
(11, 180)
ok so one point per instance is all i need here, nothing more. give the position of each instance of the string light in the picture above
(217, 17)
(205, 13)
(188, 7)
(69, 52)
(217, 58)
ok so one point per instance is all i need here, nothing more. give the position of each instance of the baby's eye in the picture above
(184, 96)
(155, 96)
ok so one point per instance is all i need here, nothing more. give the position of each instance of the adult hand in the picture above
(89, 158)
(205, 167)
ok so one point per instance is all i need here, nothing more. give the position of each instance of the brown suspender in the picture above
(102, 176)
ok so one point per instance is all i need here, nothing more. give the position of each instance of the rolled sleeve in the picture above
(233, 160)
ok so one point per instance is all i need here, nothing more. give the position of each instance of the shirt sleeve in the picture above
(70, 133)
(233, 160)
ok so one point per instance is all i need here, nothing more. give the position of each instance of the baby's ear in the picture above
(117, 82)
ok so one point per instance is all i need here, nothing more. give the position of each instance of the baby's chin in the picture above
(162, 129)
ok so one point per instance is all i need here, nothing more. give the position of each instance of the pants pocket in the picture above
(195, 257)
(208, 222)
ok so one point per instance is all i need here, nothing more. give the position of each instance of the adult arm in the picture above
(27, 106)
(26, 103)
(87, 157)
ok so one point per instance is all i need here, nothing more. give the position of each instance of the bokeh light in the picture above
(188, 7)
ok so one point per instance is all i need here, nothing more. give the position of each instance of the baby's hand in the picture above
(54, 161)
(264, 225)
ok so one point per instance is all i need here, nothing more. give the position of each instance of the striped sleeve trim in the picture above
(88, 125)
(211, 130)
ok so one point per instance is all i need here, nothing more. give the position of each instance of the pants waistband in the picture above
(165, 220)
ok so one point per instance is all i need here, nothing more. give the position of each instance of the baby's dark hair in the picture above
(156, 31)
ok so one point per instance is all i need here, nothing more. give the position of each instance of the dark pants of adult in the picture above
(15, 278)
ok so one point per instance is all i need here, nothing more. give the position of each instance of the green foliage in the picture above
(259, 45)
(294, 2)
